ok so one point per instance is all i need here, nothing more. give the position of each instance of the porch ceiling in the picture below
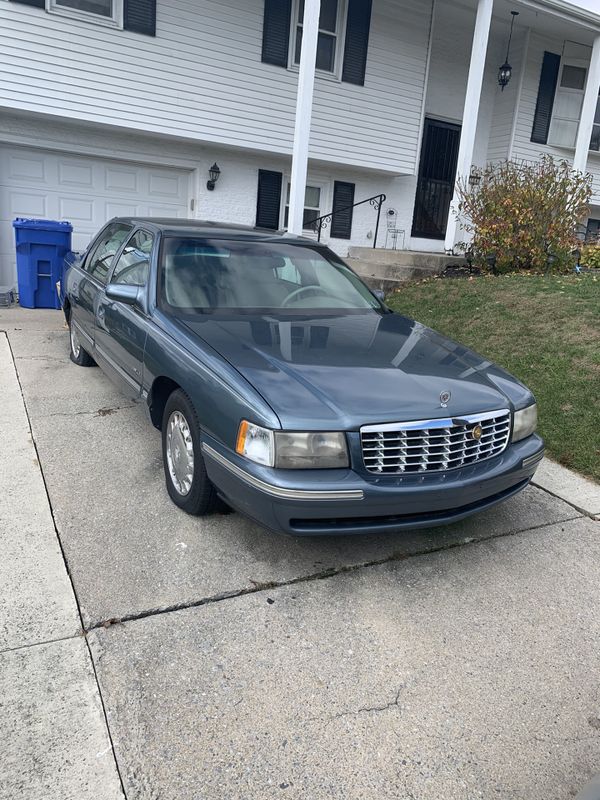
(549, 19)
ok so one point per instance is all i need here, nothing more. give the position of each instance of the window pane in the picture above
(298, 45)
(595, 142)
(134, 262)
(328, 18)
(103, 8)
(309, 215)
(597, 114)
(326, 52)
(573, 77)
(312, 197)
(102, 257)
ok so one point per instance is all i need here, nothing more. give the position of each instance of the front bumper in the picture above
(321, 502)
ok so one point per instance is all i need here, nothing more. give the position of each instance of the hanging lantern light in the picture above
(505, 71)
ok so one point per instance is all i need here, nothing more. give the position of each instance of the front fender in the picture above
(221, 396)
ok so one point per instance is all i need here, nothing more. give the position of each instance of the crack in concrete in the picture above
(28, 645)
(262, 586)
(590, 514)
(395, 703)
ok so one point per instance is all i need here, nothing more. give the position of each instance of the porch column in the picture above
(588, 110)
(471, 110)
(304, 100)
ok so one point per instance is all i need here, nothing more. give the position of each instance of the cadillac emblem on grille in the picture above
(445, 398)
(477, 432)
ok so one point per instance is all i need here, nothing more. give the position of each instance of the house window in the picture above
(109, 12)
(595, 142)
(592, 233)
(329, 40)
(312, 206)
(568, 103)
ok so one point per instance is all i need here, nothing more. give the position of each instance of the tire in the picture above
(79, 356)
(188, 484)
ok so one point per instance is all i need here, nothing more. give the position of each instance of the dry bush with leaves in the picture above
(522, 212)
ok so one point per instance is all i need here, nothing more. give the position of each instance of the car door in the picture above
(121, 328)
(90, 282)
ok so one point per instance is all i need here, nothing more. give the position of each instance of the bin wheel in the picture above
(79, 356)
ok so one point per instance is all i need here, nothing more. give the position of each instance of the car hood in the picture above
(344, 371)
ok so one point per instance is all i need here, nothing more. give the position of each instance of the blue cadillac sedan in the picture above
(283, 386)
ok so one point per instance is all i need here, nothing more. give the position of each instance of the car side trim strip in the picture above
(102, 353)
(82, 332)
(278, 491)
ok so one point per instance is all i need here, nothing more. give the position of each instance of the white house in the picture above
(115, 107)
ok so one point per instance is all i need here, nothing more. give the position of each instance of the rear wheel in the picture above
(185, 472)
(79, 356)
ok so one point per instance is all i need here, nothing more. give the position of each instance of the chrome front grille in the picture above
(434, 445)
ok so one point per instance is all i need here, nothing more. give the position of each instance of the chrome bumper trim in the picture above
(277, 491)
(528, 462)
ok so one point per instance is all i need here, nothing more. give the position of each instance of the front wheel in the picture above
(79, 356)
(185, 472)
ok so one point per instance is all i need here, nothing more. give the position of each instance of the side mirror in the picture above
(379, 294)
(130, 295)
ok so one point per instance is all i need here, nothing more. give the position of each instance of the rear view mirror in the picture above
(124, 293)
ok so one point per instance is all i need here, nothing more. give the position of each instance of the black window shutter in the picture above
(276, 32)
(545, 98)
(357, 41)
(139, 16)
(343, 197)
(36, 3)
(268, 202)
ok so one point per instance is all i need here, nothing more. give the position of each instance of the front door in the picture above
(121, 329)
(437, 173)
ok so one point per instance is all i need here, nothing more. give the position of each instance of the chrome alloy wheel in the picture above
(180, 453)
(75, 343)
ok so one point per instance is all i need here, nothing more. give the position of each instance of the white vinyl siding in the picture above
(202, 78)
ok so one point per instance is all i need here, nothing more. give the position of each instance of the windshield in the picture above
(209, 275)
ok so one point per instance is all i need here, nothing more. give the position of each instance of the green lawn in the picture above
(545, 330)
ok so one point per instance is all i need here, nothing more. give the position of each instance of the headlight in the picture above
(255, 443)
(292, 450)
(524, 423)
(310, 450)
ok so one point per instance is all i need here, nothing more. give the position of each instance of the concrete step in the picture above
(404, 258)
(384, 269)
(389, 272)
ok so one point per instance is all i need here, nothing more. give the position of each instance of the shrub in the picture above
(590, 256)
(521, 212)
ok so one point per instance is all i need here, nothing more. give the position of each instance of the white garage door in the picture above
(84, 190)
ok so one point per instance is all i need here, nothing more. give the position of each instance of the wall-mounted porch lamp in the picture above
(213, 174)
(505, 71)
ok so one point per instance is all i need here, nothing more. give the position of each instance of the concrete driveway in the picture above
(216, 660)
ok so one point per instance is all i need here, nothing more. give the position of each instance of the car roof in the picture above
(214, 230)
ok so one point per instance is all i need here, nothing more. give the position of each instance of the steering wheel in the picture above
(301, 290)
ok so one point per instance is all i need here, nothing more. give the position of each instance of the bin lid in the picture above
(42, 224)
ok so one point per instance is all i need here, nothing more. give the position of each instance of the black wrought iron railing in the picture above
(320, 223)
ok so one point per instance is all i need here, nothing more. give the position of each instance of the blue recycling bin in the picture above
(42, 245)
